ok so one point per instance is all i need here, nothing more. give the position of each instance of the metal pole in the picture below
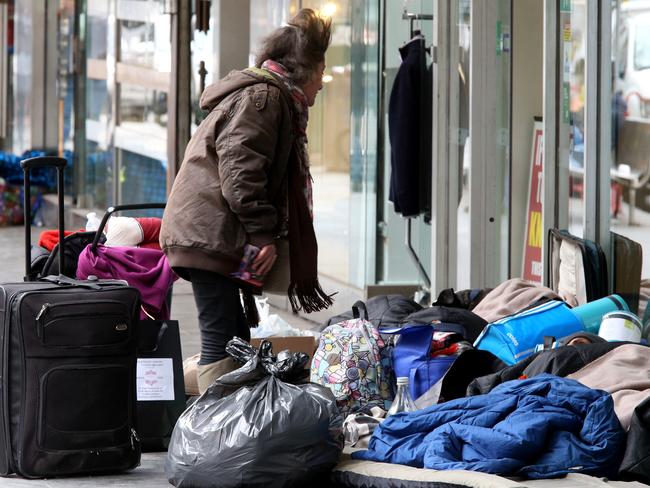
(551, 87)
(592, 146)
(605, 136)
(61, 189)
(414, 256)
(28, 227)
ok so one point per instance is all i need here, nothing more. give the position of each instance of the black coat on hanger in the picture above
(410, 132)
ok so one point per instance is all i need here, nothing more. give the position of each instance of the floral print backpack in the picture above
(350, 362)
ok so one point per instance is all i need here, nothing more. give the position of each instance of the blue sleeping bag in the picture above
(514, 338)
(542, 427)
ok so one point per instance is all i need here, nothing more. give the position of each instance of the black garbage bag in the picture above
(286, 366)
(251, 429)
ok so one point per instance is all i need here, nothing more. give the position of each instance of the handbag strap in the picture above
(413, 374)
(161, 334)
(359, 307)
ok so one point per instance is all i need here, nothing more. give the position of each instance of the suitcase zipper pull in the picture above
(39, 329)
(44, 309)
(134, 438)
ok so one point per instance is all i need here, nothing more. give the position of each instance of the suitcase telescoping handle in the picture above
(121, 208)
(28, 165)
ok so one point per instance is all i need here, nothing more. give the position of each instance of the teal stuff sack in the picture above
(513, 338)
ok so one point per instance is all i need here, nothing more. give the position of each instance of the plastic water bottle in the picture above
(92, 224)
(403, 401)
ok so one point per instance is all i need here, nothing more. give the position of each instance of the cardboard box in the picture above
(306, 344)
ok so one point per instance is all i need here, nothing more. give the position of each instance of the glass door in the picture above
(572, 135)
(404, 205)
(486, 153)
(470, 234)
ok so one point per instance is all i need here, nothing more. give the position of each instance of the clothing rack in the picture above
(413, 17)
(424, 291)
(414, 256)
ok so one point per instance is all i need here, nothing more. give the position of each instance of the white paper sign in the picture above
(155, 379)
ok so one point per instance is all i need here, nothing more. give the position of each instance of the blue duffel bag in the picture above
(412, 356)
(513, 338)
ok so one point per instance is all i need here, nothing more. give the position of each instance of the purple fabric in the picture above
(145, 269)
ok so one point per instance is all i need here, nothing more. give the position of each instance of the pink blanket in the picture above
(144, 269)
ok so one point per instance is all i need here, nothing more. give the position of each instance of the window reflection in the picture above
(329, 146)
(98, 176)
(574, 28)
(97, 36)
(142, 105)
(630, 193)
(137, 43)
(98, 165)
(131, 141)
(97, 101)
(464, 33)
(142, 179)
(147, 43)
(642, 45)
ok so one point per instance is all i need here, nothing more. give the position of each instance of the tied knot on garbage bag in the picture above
(260, 425)
(286, 366)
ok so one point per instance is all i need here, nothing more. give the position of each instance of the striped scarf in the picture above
(304, 292)
(301, 112)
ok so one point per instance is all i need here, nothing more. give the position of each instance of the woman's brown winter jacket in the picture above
(231, 188)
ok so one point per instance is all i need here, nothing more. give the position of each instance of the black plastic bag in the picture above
(265, 433)
(286, 366)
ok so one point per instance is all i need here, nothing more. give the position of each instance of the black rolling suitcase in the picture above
(67, 366)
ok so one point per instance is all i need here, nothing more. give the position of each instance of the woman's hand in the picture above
(265, 259)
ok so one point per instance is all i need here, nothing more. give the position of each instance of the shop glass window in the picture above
(265, 17)
(99, 178)
(630, 120)
(462, 139)
(642, 47)
(329, 146)
(97, 186)
(141, 107)
(573, 51)
(142, 179)
(143, 75)
(147, 44)
(97, 100)
(97, 35)
(202, 68)
(341, 131)
(137, 43)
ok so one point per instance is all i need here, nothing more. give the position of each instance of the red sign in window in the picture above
(532, 269)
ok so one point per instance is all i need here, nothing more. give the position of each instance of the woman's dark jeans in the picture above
(221, 316)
